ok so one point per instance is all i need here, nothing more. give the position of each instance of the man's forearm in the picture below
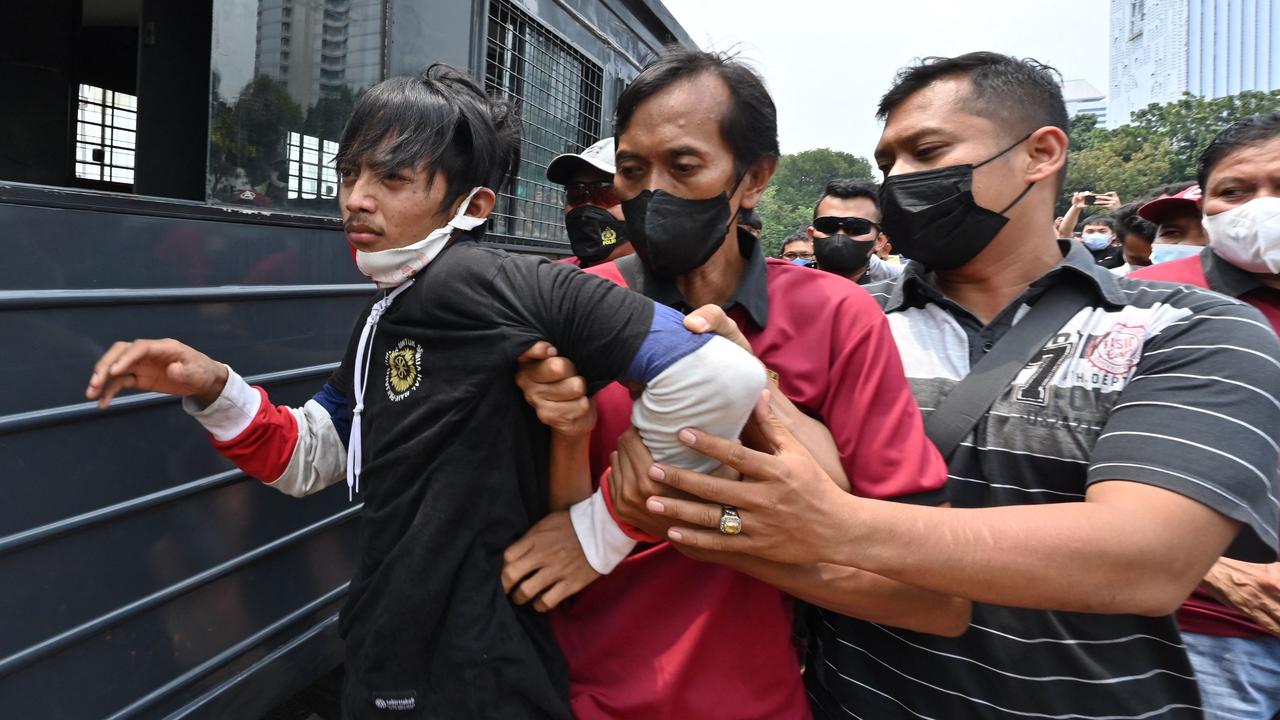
(297, 451)
(1085, 557)
(570, 473)
(1069, 221)
(860, 594)
(715, 386)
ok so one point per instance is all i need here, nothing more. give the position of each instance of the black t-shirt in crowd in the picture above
(455, 470)
(1111, 256)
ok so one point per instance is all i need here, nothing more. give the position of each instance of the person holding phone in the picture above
(1081, 200)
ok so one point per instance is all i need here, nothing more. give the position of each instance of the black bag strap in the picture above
(955, 417)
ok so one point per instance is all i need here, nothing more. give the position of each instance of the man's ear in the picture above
(482, 203)
(756, 180)
(1047, 151)
(809, 232)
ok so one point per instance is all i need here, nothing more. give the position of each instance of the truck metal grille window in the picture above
(559, 91)
(311, 171)
(105, 141)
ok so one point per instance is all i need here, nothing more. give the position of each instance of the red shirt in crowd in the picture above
(1201, 613)
(664, 637)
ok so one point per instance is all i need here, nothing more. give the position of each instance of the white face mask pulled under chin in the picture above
(1248, 236)
(389, 268)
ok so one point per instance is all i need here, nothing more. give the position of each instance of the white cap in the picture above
(599, 156)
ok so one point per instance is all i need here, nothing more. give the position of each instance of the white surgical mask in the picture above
(1248, 236)
(389, 268)
(1161, 253)
(1095, 241)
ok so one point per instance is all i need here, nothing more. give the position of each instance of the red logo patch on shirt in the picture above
(1118, 350)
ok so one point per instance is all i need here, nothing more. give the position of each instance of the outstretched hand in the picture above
(165, 366)
(788, 505)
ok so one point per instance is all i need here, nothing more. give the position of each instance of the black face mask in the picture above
(673, 235)
(594, 233)
(842, 254)
(932, 218)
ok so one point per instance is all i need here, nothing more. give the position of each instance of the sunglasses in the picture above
(852, 226)
(599, 193)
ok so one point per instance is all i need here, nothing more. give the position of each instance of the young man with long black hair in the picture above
(423, 419)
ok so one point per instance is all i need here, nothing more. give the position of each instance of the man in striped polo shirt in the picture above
(1092, 496)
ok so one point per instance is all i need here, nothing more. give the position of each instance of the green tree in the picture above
(1084, 132)
(1160, 145)
(1190, 124)
(1126, 160)
(779, 220)
(787, 204)
(328, 116)
(250, 134)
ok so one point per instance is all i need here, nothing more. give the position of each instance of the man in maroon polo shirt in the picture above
(1231, 624)
(661, 635)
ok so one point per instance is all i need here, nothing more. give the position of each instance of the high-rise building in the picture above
(319, 47)
(1213, 48)
(1083, 98)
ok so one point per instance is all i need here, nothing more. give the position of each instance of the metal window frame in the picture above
(322, 168)
(519, 51)
(108, 111)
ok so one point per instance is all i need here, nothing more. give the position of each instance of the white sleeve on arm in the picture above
(317, 458)
(231, 413)
(714, 389)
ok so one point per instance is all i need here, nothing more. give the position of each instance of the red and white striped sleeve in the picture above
(298, 451)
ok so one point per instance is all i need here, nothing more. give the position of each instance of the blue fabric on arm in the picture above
(667, 342)
(335, 403)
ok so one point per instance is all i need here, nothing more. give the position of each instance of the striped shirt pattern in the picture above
(1155, 383)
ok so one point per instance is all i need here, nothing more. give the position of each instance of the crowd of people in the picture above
(942, 458)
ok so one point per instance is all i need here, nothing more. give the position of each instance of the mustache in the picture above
(357, 223)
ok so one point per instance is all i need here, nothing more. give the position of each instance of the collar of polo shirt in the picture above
(752, 293)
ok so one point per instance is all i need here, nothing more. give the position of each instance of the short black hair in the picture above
(439, 121)
(1019, 95)
(749, 124)
(1127, 219)
(750, 218)
(845, 188)
(800, 235)
(1103, 220)
(1249, 132)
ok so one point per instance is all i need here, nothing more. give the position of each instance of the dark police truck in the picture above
(166, 170)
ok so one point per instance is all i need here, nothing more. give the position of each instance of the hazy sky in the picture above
(827, 62)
